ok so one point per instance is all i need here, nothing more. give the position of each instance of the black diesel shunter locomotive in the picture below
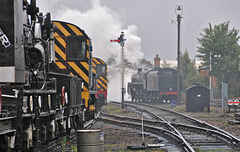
(155, 85)
(39, 101)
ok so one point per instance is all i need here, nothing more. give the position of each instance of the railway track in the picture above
(186, 132)
(147, 127)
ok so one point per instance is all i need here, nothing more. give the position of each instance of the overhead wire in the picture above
(204, 16)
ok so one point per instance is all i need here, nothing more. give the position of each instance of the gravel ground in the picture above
(117, 139)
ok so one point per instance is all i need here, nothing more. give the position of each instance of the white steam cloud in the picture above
(101, 24)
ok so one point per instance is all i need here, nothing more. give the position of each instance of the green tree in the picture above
(189, 72)
(222, 44)
(165, 64)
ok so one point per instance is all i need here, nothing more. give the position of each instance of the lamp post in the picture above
(178, 12)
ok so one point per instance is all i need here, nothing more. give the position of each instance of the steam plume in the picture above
(101, 24)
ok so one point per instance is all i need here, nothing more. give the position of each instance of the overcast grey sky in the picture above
(147, 23)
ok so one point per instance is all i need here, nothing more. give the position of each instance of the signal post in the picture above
(121, 40)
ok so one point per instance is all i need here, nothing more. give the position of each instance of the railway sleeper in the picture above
(209, 132)
(174, 138)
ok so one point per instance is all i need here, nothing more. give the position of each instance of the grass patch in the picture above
(214, 112)
(114, 109)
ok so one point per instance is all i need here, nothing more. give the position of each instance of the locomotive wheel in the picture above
(144, 98)
(61, 129)
(138, 98)
(92, 115)
(132, 98)
(79, 122)
(160, 100)
(5, 141)
(147, 98)
(19, 138)
(135, 98)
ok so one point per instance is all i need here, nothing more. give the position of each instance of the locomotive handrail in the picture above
(12, 96)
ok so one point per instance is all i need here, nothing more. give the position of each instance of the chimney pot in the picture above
(157, 61)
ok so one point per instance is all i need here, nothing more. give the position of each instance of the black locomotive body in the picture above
(155, 85)
(38, 101)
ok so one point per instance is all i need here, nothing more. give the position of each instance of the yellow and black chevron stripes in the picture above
(102, 83)
(102, 79)
(77, 68)
(75, 29)
(60, 65)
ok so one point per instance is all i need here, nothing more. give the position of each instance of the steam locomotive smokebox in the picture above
(197, 99)
(90, 141)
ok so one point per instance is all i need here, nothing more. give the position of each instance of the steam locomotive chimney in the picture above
(157, 61)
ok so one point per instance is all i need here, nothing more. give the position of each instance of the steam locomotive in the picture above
(48, 87)
(155, 85)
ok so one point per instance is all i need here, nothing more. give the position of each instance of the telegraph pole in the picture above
(121, 40)
(210, 75)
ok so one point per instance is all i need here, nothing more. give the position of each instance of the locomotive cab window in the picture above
(76, 47)
(101, 70)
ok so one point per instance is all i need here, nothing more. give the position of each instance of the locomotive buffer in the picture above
(121, 40)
